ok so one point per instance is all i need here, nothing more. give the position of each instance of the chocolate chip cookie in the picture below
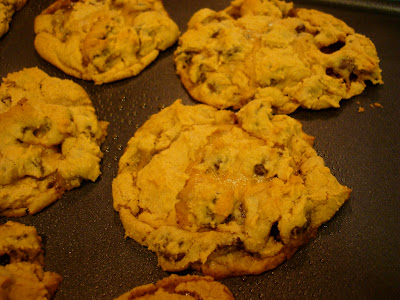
(267, 49)
(23, 277)
(225, 193)
(49, 140)
(181, 287)
(106, 40)
(7, 10)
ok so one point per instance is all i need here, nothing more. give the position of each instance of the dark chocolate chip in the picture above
(275, 233)
(301, 28)
(260, 170)
(212, 87)
(332, 48)
(4, 260)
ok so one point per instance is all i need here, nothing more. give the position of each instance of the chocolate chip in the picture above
(296, 231)
(235, 14)
(260, 170)
(242, 211)
(353, 77)
(228, 219)
(347, 64)
(292, 13)
(215, 35)
(179, 257)
(212, 87)
(188, 55)
(217, 164)
(6, 100)
(275, 233)
(173, 257)
(232, 51)
(330, 72)
(332, 48)
(202, 77)
(4, 260)
(301, 28)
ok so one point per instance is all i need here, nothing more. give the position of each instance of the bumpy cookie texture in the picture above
(106, 40)
(7, 9)
(50, 140)
(24, 277)
(20, 243)
(181, 287)
(267, 49)
(227, 194)
(27, 281)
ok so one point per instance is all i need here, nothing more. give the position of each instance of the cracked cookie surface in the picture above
(181, 287)
(267, 49)
(103, 41)
(7, 10)
(23, 277)
(50, 140)
(227, 194)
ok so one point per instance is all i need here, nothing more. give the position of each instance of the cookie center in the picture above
(219, 178)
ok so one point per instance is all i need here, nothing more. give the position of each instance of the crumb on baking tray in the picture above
(377, 104)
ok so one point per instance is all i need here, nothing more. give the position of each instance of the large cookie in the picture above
(105, 40)
(24, 277)
(266, 49)
(228, 194)
(49, 140)
(7, 9)
(181, 287)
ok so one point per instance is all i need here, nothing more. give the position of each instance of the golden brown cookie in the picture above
(177, 287)
(106, 40)
(228, 194)
(21, 243)
(50, 140)
(267, 49)
(27, 281)
(7, 9)
(24, 277)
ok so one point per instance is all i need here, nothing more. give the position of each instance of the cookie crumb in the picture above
(361, 109)
(377, 104)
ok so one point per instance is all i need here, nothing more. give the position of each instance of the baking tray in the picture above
(355, 254)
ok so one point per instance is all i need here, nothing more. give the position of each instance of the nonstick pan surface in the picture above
(355, 254)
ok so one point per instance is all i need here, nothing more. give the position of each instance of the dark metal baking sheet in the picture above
(355, 255)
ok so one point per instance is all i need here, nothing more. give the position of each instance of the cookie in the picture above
(27, 281)
(267, 49)
(181, 287)
(103, 41)
(50, 140)
(24, 277)
(223, 193)
(7, 9)
(20, 243)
